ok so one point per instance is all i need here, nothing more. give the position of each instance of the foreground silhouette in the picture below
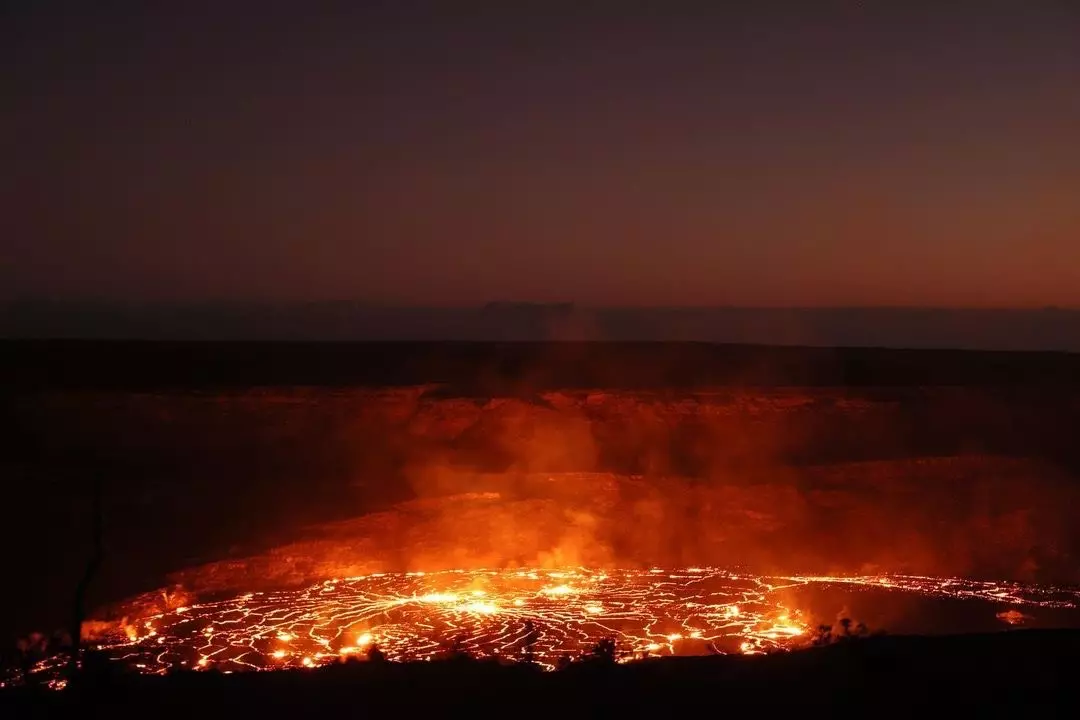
(1029, 670)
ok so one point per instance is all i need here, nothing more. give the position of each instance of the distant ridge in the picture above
(512, 306)
(1049, 329)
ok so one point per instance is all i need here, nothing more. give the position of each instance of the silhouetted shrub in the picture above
(528, 655)
(603, 652)
(457, 651)
(848, 630)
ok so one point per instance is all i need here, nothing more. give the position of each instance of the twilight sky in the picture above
(608, 153)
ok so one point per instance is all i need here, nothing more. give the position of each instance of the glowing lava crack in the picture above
(416, 616)
(542, 615)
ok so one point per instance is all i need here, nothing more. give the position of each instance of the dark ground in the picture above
(1028, 671)
(972, 329)
(502, 368)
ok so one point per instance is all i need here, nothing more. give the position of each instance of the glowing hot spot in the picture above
(511, 614)
(484, 608)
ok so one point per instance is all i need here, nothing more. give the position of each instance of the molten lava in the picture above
(543, 616)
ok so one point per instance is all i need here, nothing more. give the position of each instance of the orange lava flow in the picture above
(547, 616)
(416, 616)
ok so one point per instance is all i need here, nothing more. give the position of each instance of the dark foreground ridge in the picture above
(1029, 670)
(508, 368)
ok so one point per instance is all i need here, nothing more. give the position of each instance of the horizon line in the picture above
(525, 304)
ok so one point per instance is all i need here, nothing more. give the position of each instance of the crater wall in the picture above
(286, 483)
